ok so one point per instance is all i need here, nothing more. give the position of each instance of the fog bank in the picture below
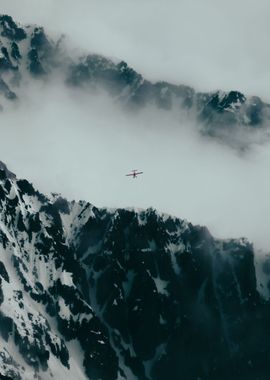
(82, 145)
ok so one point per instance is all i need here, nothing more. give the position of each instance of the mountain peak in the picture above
(5, 172)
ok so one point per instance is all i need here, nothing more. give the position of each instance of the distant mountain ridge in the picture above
(28, 50)
(92, 293)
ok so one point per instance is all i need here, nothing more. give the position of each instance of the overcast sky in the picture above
(209, 44)
(65, 142)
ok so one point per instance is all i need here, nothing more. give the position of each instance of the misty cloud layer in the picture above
(82, 145)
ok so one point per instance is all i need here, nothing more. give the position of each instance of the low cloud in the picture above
(82, 145)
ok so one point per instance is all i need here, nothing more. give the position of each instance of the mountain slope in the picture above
(27, 53)
(122, 294)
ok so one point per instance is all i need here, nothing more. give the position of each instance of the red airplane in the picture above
(134, 173)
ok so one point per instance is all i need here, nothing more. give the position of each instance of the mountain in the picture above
(29, 52)
(115, 294)
(108, 294)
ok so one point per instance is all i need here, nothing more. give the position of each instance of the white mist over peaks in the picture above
(210, 44)
(82, 145)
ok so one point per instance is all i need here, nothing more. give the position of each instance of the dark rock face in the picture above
(187, 315)
(10, 29)
(145, 295)
(41, 53)
(226, 116)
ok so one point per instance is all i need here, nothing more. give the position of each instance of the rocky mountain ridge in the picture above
(123, 294)
(28, 51)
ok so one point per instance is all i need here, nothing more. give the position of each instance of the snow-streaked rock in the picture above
(28, 52)
(112, 294)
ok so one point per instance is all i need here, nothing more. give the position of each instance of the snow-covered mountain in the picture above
(92, 293)
(29, 51)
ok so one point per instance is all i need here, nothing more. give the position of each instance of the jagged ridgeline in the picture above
(92, 293)
(28, 50)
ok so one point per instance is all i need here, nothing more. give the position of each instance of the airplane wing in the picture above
(134, 174)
